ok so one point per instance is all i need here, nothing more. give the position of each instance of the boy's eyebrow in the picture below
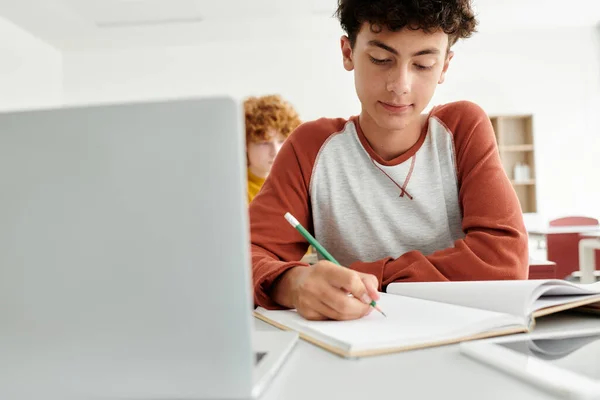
(382, 45)
(377, 43)
(431, 50)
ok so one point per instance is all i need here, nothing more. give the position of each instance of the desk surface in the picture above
(541, 262)
(563, 229)
(591, 234)
(435, 373)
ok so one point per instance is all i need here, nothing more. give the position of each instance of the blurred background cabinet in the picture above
(514, 135)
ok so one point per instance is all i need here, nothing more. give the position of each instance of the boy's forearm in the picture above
(470, 259)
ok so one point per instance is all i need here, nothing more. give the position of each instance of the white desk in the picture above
(436, 373)
(587, 256)
(549, 230)
(591, 234)
(540, 234)
(540, 262)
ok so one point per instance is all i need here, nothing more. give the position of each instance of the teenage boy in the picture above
(393, 194)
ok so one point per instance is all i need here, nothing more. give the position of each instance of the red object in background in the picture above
(545, 270)
(563, 248)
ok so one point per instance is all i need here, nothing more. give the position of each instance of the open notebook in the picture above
(436, 313)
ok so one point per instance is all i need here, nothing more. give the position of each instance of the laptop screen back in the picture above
(124, 267)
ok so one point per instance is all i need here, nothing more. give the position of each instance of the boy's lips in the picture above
(396, 108)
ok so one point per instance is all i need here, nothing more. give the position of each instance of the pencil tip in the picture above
(382, 313)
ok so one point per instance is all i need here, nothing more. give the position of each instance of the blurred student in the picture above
(269, 121)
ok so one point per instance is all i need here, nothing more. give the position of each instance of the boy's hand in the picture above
(321, 292)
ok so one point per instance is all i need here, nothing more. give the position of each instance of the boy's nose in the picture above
(399, 81)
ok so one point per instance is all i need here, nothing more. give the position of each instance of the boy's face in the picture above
(261, 154)
(396, 73)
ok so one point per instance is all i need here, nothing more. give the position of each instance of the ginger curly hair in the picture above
(269, 112)
(454, 17)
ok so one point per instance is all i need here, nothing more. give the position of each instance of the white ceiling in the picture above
(90, 24)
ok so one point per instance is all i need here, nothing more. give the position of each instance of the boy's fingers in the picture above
(372, 284)
(349, 281)
(342, 306)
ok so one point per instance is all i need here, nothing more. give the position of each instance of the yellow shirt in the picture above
(254, 185)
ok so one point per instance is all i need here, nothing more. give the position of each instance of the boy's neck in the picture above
(258, 173)
(391, 144)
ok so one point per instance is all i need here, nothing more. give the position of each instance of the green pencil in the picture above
(310, 238)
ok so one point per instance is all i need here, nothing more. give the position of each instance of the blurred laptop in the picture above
(124, 255)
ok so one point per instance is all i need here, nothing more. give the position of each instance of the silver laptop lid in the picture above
(124, 266)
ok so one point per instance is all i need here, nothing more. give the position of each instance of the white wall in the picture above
(305, 68)
(30, 70)
(551, 73)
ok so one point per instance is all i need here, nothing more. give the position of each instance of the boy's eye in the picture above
(378, 61)
(423, 67)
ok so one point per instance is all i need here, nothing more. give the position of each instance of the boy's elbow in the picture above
(519, 271)
(511, 259)
(519, 258)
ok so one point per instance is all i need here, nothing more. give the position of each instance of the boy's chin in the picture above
(395, 122)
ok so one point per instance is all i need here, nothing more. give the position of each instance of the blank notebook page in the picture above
(409, 322)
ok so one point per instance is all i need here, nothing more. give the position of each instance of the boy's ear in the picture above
(347, 53)
(446, 65)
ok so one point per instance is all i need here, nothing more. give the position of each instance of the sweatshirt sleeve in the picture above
(495, 245)
(275, 245)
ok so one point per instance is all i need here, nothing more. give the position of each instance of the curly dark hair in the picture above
(454, 17)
